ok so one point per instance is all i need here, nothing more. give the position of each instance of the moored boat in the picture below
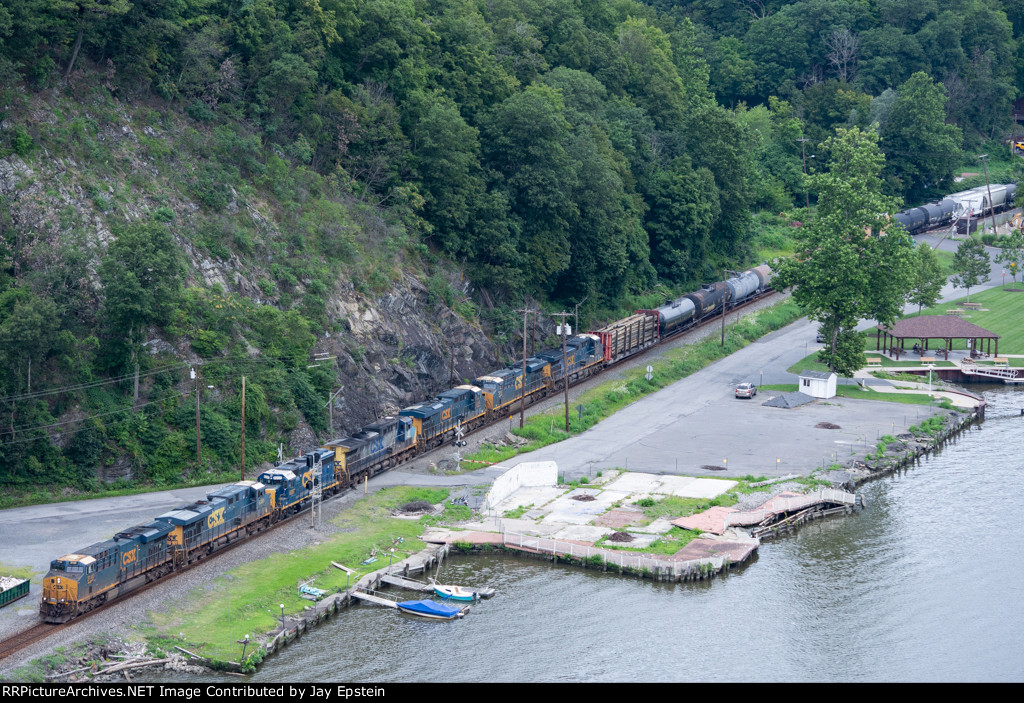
(455, 593)
(460, 593)
(431, 609)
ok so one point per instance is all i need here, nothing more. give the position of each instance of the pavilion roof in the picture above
(937, 327)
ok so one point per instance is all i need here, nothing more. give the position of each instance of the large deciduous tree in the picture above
(921, 149)
(928, 278)
(845, 270)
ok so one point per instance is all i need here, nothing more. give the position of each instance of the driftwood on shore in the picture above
(133, 663)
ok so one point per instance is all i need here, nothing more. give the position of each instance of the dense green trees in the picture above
(557, 148)
(141, 276)
(921, 149)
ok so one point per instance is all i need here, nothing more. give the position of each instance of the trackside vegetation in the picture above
(613, 395)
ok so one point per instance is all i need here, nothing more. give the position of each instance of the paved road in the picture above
(690, 424)
(696, 422)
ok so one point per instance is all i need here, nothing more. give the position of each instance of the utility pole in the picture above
(991, 210)
(576, 314)
(803, 157)
(563, 330)
(522, 383)
(199, 455)
(330, 411)
(725, 302)
(243, 431)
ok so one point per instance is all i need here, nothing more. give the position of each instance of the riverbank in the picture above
(531, 534)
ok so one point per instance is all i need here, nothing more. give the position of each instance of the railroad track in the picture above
(27, 637)
(41, 631)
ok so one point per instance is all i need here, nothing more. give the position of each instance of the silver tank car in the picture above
(672, 315)
(743, 286)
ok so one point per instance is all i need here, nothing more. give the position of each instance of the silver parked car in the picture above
(746, 390)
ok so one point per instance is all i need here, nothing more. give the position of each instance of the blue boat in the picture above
(431, 609)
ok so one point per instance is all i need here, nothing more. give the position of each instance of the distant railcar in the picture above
(81, 581)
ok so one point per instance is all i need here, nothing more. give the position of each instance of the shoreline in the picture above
(909, 452)
(404, 477)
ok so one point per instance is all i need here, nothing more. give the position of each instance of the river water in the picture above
(923, 585)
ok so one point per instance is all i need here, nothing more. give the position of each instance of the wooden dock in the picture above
(408, 584)
(375, 600)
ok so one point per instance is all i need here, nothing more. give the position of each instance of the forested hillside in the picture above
(238, 186)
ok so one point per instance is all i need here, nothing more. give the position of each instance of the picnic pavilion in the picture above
(931, 328)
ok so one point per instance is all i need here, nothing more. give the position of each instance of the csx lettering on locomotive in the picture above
(216, 518)
(88, 578)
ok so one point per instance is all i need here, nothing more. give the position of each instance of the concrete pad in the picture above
(617, 518)
(537, 496)
(523, 526)
(575, 512)
(658, 527)
(711, 520)
(582, 533)
(705, 488)
(701, 548)
(661, 485)
(633, 483)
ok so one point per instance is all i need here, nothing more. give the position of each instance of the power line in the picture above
(84, 386)
(130, 408)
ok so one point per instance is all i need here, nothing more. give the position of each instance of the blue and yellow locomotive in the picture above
(79, 582)
(76, 583)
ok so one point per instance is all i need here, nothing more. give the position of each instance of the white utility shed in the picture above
(818, 384)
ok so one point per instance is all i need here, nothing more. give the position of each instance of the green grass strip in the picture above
(613, 395)
(248, 599)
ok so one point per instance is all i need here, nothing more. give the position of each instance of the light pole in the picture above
(282, 617)
(194, 373)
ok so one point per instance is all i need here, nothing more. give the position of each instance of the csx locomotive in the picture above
(79, 582)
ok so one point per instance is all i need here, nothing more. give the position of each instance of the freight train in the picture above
(973, 203)
(79, 582)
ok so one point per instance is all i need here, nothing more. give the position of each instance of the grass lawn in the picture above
(1003, 313)
(247, 600)
(945, 260)
(858, 392)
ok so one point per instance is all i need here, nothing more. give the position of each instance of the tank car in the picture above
(913, 220)
(743, 286)
(764, 277)
(675, 315)
(710, 298)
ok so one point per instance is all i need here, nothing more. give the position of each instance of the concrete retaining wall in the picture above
(534, 473)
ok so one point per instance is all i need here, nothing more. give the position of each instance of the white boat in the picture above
(459, 593)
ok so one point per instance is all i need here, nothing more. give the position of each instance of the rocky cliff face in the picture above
(406, 350)
(388, 349)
